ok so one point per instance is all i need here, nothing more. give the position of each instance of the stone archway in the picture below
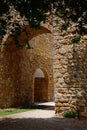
(18, 67)
(40, 86)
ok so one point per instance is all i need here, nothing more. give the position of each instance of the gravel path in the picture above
(40, 120)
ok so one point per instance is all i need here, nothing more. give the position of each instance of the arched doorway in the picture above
(40, 86)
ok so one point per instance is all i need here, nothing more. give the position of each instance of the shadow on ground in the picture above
(54, 123)
(42, 118)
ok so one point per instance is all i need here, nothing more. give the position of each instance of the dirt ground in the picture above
(40, 120)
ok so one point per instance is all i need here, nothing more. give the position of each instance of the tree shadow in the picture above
(77, 69)
(38, 123)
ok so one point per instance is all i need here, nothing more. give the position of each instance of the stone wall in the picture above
(17, 68)
(63, 63)
(69, 70)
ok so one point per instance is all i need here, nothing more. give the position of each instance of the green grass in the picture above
(4, 112)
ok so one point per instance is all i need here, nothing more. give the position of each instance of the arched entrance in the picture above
(40, 86)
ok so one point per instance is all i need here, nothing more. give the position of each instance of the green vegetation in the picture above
(70, 114)
(36, 12)
(4, 112)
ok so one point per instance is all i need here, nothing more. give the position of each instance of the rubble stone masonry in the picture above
(63, 63)
(69, 70)
(17, 69)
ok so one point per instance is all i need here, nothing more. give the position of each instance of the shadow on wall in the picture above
(12, 73)
(77, 69)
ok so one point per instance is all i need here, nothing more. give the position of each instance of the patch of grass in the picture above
(4, 112)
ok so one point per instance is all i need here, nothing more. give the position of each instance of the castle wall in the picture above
(69, 70)
(17, 68)
(64, 64)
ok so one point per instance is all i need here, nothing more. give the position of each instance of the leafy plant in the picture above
(70, 114)
(15, 13)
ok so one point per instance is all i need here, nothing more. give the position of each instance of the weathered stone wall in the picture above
(17, 68)
(63, 63)
(70, 70)
(10, 74)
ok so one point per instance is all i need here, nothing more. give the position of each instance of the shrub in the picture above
(70, 114)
